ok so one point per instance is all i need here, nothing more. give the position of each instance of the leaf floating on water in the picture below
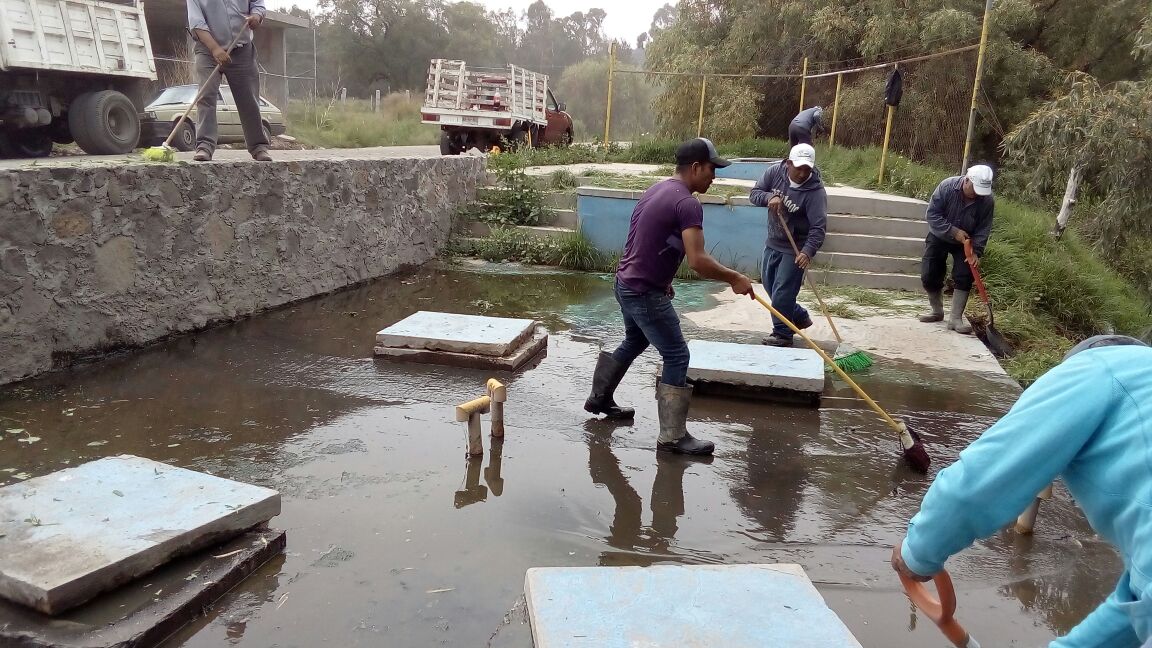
(173, 445)
(21, 476)
(117, 493)
(97, 444)
(15, 430)
(8, 470)
(33, 520)
(28, 439)
(441, 591)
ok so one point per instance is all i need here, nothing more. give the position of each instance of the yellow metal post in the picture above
(700, 119)
(884, 152)
(608, 113)
(835, 109)
(803, 82)
(976, 86)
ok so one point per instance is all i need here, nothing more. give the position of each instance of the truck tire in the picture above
(30, 142)
(104, 123)
(447, 145)
(517, 138)
(185, 139)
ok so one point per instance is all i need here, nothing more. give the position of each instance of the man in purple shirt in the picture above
(667, 225)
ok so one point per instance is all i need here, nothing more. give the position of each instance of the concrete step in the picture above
(876, 280)
(877, 225)
(546, 232)
(849, 200)
(872, 244)
(561, 218)
(869, 262)
(561, 199)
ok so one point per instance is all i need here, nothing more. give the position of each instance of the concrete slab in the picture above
(793, 375)
(145, 613)
(680, 606)
(455, 333)
(70, 535)
(522, 357)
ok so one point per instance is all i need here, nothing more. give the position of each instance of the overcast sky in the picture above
(626, 19)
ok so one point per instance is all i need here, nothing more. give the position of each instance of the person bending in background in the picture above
(1089, 421)
(667, 224)
(961, 209)
(804, 125)
(792, 191)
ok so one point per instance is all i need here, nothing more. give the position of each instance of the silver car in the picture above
(159, 116)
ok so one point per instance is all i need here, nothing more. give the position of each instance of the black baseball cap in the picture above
(700, 150)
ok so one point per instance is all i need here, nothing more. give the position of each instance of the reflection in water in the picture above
(473, 491)
(638, 545)
(776, 472)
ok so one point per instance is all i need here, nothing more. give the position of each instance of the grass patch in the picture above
(353, 124)
(563, 179)
(511, 244)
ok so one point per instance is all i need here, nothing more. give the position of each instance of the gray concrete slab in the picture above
(529, 352)
(456, 333)
(756, 365)
(677, 606)
(70, 535)
(144, 613)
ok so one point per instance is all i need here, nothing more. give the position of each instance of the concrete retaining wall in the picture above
(103, 257)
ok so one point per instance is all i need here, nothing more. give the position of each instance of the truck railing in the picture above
(512, 90)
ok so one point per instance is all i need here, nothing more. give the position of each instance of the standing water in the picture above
(394, 538)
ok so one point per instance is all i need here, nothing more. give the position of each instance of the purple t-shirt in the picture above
(655, 244)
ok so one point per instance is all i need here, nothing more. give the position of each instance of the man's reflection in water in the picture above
(637, 544)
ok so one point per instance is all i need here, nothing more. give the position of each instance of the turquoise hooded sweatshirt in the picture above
(1088, 421)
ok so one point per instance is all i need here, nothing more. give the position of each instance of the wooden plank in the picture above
(39, 27)
(97, 37)
(67, 17)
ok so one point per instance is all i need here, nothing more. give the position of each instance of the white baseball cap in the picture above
(805, 155)
(981, 177)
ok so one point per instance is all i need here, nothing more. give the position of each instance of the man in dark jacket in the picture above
(960, 210)
(791, 190)
(805, 125)
(667, 226)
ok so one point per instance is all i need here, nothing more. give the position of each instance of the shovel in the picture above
(996, 342)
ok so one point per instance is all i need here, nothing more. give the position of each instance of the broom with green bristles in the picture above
(165, 152)
(847, 357)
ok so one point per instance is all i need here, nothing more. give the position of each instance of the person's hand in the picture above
(254, 21)
(960, 235)
(974, 261)
(774, 205)
(670, 291)
(221, 56)
(900, 568)
(741, 285)
(803, 261)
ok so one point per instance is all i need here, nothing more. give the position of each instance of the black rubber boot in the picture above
(605, 380)
(672, 404)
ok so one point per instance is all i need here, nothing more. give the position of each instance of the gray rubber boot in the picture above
(956, 321)
(672, 404)
(605, 379)
(936, 302)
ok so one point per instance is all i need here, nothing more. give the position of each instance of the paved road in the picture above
(230, 155)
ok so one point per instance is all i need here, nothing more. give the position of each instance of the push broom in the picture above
(914, 452)
(847, 357)
(165, 152)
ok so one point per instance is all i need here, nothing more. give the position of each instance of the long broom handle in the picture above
(902, 430)
(808, 276)
(203, 88)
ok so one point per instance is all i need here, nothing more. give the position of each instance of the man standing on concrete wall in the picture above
(667, 224)
(960, 210)
(793, 192)
(805, 125)
(214, 23)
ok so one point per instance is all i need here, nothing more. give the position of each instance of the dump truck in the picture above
(72, 71)
(492, 107)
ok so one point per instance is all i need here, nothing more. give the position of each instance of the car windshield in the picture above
(175, 95)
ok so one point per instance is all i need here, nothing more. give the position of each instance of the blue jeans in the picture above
(782, 279)
(650, 319)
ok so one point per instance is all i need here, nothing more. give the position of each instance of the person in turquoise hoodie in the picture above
(1088, 421)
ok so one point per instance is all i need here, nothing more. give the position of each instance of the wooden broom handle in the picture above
(808, 277)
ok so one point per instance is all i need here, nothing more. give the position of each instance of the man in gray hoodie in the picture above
(791, 191)
(804, 125)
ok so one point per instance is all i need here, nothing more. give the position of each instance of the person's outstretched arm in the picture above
(704, 265)
(997, 476)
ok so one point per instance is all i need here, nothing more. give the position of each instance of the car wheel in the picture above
(104, 123)
(185, 137)
(30, 142)
(448, 145)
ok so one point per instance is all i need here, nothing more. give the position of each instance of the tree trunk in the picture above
(1069, 201)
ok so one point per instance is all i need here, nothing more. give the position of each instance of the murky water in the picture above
(395, 539)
